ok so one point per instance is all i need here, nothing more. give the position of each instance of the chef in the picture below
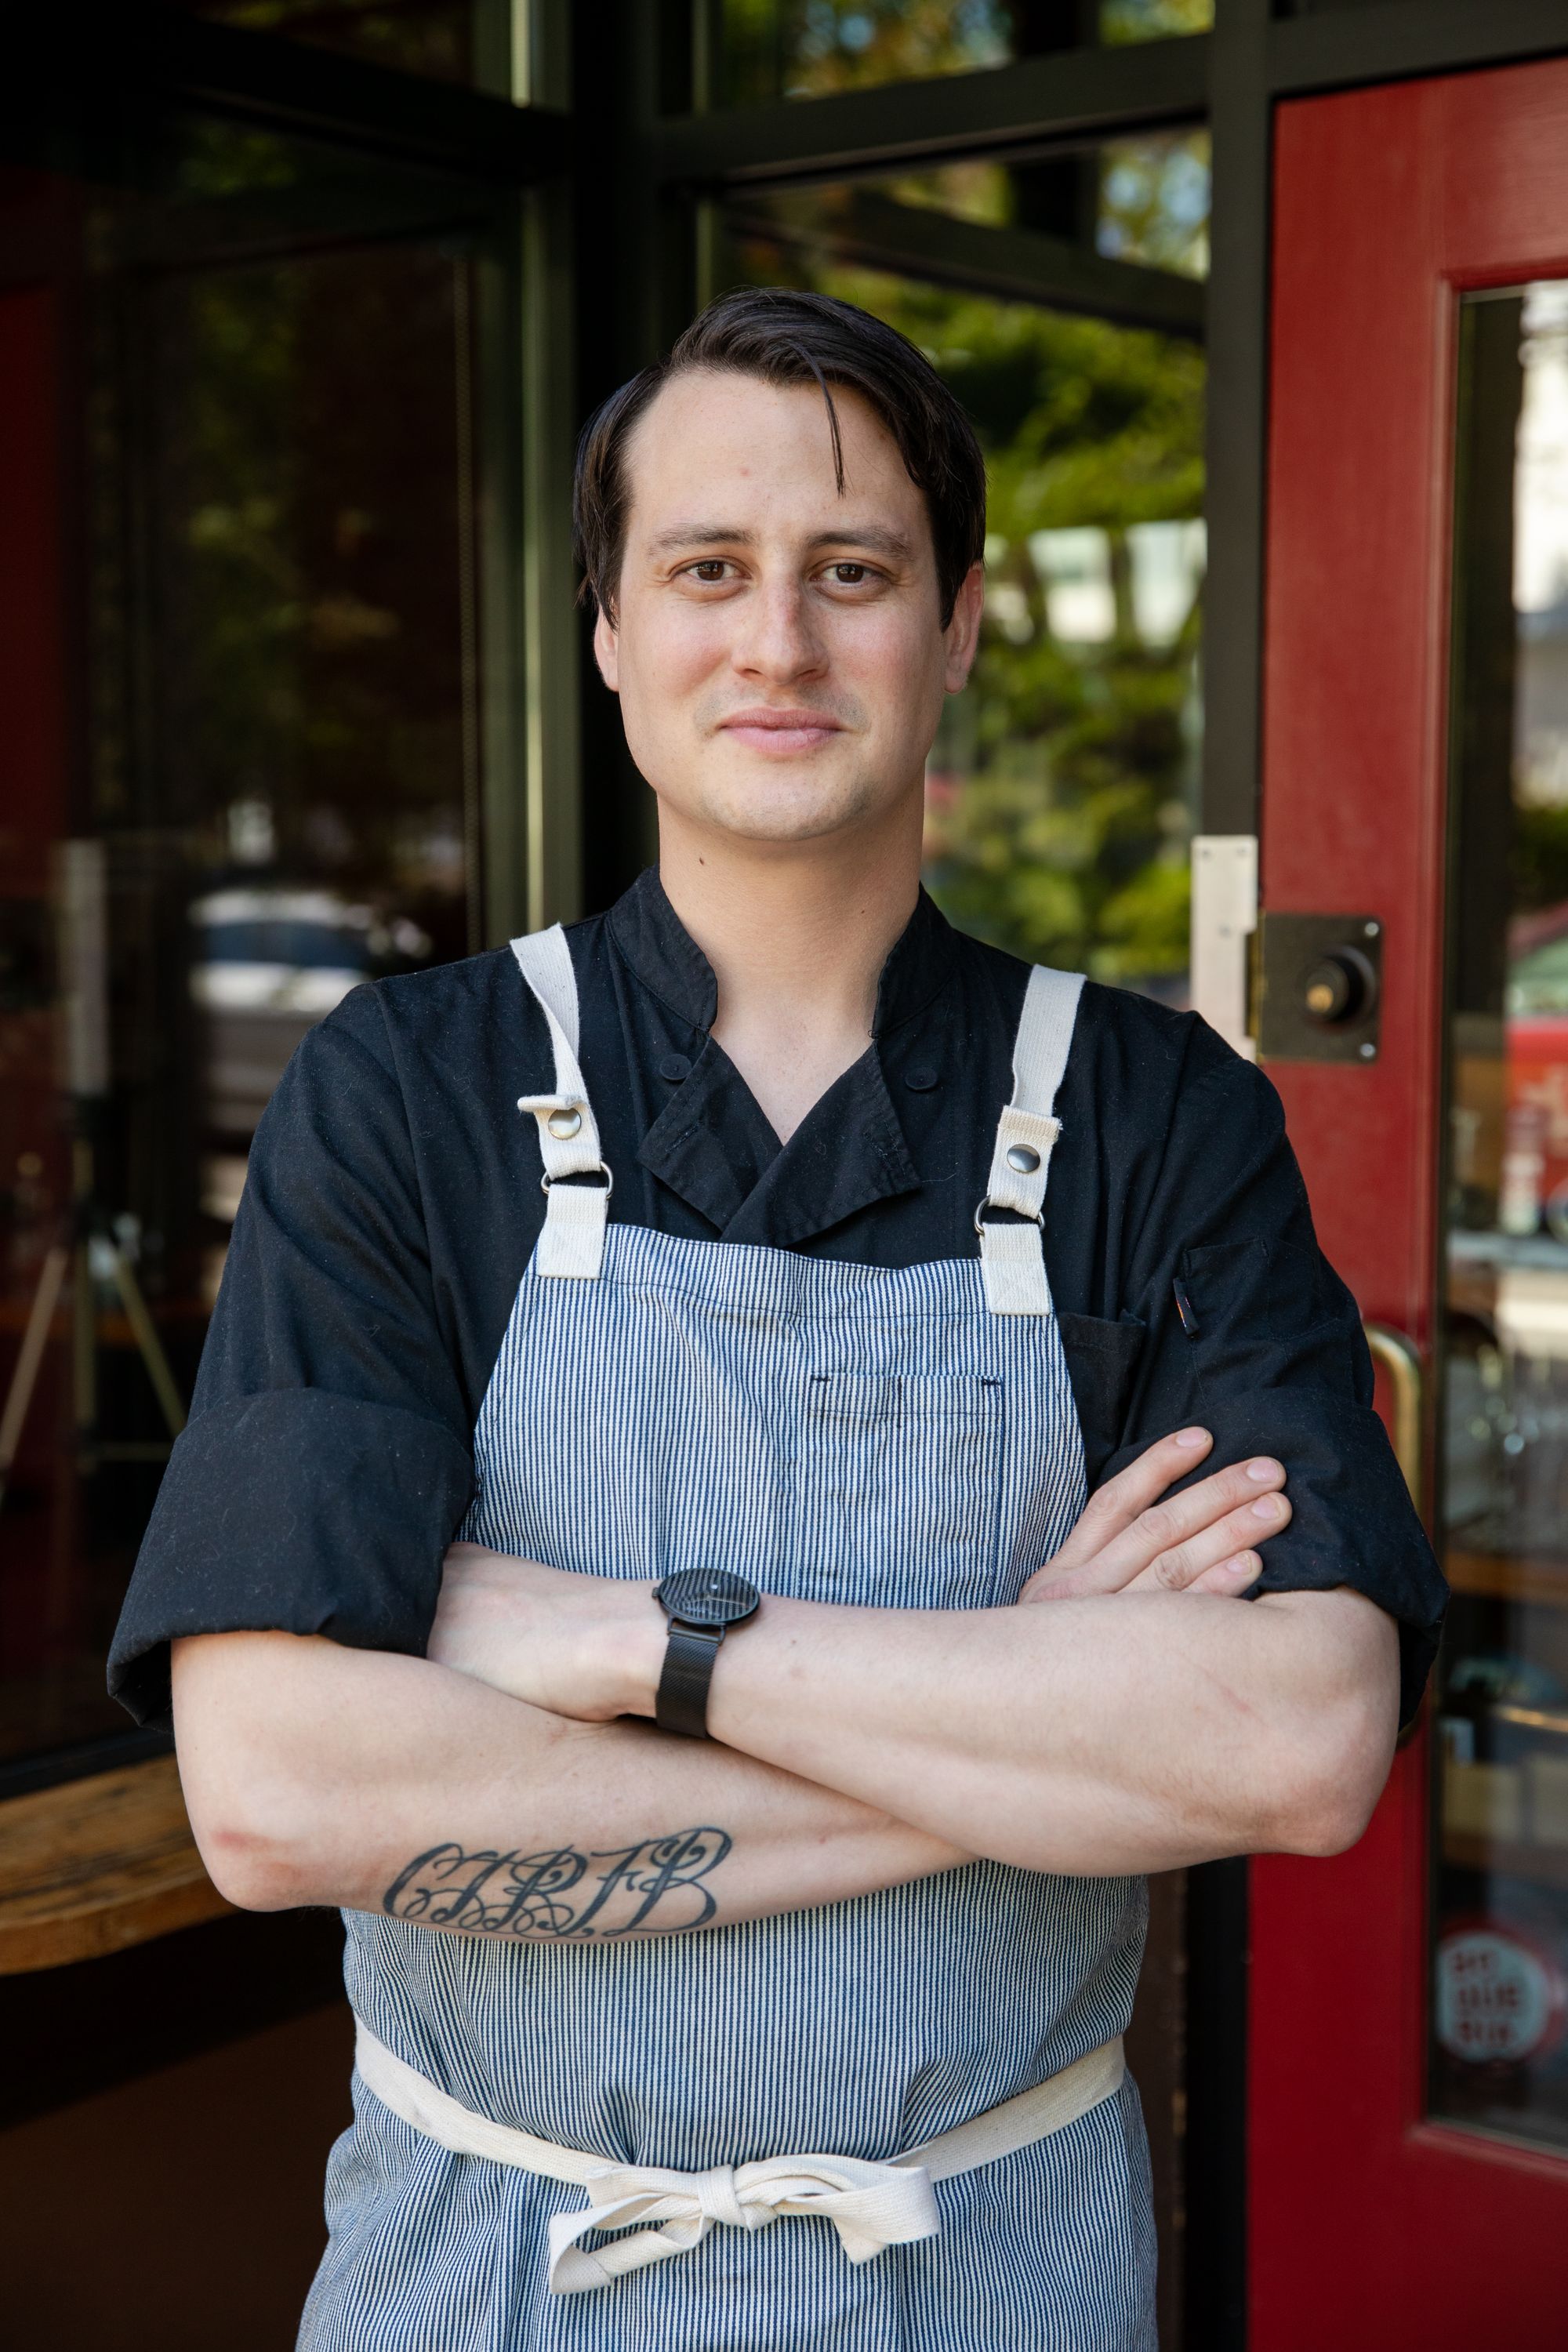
(760, 1462)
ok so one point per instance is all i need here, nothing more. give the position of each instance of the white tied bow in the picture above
(872, 2206)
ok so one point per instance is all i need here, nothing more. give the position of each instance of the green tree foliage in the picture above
(802, 48)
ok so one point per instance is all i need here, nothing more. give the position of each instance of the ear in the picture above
(607, 651)
(963, 632)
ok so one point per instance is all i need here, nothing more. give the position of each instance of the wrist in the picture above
(640, 1635)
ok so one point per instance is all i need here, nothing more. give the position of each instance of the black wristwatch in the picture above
(701, 1604)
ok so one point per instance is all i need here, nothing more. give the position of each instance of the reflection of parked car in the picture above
(270, 961)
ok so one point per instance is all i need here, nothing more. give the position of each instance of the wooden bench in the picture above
(93, 1866)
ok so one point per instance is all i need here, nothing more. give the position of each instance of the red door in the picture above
(1408, 2059)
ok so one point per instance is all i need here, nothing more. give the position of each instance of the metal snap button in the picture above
(1023, 1158)
(565, 1124)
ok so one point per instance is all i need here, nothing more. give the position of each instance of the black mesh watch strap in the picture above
(682, 1702)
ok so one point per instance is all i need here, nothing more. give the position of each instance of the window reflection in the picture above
(805, 48)
(248, 775)
(1500, 1955)
(464, 41)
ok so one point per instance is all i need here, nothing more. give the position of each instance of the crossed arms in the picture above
(1127, 1716)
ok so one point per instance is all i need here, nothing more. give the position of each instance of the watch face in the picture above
(708, 1596)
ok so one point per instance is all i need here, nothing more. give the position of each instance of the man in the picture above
(743, 1892)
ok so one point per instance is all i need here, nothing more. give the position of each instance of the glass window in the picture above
(1143, 201)
(239, 442)
(1061, 789)
(806, 48)
(1499, 1994)
(467, 41)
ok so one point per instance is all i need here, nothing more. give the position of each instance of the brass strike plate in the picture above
(1318, 987)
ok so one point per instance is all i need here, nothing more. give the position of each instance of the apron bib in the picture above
(901, 1438)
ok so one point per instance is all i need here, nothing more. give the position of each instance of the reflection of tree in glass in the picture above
(311, 574)
(1060, 787)
(1151, 202)
(1154, 201)
(802, 48)
(435, 37)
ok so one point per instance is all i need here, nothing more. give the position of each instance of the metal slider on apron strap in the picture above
(872, 2206)
(1013, 1256)
(573, 1240)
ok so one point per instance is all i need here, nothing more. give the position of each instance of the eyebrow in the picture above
(870, 536)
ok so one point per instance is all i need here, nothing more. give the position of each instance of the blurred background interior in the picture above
(300, 306)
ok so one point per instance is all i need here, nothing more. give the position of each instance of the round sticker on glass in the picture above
(1499, 1997)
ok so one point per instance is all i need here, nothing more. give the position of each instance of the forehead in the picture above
(718, 443)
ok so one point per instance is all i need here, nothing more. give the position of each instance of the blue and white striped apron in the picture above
(896, 1439)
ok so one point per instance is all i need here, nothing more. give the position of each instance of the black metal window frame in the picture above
(626, 175)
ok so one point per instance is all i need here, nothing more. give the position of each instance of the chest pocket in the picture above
(1102, 1360)
(898, 1490)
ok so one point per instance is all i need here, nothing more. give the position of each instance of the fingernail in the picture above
(1244, 1568)
(1192, 1438)
(1263, 1468)
(1268, 1506)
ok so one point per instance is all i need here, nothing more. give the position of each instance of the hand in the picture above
(590, 1647)
(1133, 1537)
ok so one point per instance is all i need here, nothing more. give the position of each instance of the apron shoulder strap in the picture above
(572, 1245)
(545, 961)
(1013, 1256)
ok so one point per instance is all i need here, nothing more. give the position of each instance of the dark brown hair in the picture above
(783, 337)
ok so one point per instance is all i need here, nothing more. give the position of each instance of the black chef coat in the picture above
(393, 1200)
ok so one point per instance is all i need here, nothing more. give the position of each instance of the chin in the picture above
(786, 805)
(768, 818)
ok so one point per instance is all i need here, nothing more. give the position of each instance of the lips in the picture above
(780, 733)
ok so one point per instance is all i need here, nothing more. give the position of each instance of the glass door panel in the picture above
(241, 454)
(1499, 2027)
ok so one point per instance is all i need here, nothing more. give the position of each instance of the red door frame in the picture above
(1367, 2225)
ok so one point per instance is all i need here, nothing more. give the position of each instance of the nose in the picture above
(778, 641)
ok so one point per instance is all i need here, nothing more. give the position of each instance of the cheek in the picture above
(898, 669)
(667, 669)
(672, 651)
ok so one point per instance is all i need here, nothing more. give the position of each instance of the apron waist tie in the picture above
(872, 2206)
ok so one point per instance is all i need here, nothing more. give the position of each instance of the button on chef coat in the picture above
(393, 1200)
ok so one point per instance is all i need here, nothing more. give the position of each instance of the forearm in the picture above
(1140, 1732)
(320, 1775)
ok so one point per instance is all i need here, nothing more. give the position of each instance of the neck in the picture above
(797, 934)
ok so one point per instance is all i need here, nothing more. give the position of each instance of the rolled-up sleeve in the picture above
(1253, 1333)
(327, 1463)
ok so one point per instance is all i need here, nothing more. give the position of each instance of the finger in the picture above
(1232, 1576)
(1114, 1506)
(1178, 1569)
(1173, 1521)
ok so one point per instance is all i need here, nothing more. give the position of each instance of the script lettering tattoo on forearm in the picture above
(654, 1886)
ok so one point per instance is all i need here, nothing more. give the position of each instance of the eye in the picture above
(710, 570)
(849, 575)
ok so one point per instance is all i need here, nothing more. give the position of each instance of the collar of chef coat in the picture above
(712, 1144)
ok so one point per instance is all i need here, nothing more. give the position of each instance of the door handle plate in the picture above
(1318, 987)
